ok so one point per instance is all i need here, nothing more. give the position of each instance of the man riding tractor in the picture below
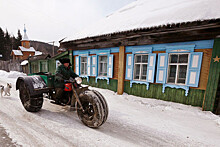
(63, 72)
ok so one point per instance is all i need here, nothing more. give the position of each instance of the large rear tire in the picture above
(94, 113)
(31, 104)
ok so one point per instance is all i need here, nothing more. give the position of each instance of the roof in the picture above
(143, 14)
(23, 49)
(25, 37)
(25, 62)
(17, 52)
(37, 53)
(39, 57)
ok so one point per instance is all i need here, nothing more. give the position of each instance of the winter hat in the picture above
(65, 60)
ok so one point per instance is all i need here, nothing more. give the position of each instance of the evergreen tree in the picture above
(18, 39)
(2, 44)
(8, 46)
(13, 43)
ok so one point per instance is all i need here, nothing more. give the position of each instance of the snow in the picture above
(132, 121)
(23, 49)
(17, 52)
(152, 13)
(25, 62)
(38, 53)
(25, 37)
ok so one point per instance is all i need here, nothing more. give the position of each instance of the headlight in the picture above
(78, 80)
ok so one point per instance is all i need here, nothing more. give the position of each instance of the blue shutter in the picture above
(151, 67)
(77, 65)
(88, 65)
(110, 66)
(193, 73)
(129, 66)
(93, 66)
(162, 68)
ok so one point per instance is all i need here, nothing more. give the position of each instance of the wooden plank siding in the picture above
(213, 79)
(203, 80)
(194, 98)
(116, 65)
(113, 83)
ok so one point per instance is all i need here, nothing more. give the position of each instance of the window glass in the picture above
(145, 59)
(140, 67)
(103, 65)
(183, 58)
(144, 72)
(83, 66)
(137, 71)
(177, 68)
(173, 58)
(138, 59)
(182, 74)
(172, 74)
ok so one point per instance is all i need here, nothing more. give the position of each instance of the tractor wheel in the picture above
(93, 114)
(31, 104)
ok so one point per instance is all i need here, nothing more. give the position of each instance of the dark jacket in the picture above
(63, 73)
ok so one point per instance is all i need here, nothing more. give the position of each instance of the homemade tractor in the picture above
(90, 105)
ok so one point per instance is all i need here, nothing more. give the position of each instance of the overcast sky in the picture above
(52, 20)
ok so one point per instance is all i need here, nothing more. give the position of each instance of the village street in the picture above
(132, 121)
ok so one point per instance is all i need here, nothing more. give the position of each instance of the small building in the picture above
(154, 49)
(25, 50)
(45, 63)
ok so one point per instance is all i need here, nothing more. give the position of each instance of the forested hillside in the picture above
(44, 47)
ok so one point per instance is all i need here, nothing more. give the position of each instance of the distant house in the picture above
(24, 51)
(158, 49)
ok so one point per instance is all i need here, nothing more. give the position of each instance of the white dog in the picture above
(6, 89)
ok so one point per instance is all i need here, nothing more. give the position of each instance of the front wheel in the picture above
(94, 114)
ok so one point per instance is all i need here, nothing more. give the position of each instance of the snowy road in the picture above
(132, 121)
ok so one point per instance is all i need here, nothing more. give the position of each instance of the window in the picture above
(140, 67)
(177, 68)
(102, 66)
(34, 67)
(83, 66)
(44, 66)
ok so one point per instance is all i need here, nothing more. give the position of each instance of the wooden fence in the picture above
(10, 66)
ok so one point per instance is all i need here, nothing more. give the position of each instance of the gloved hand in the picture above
(60, 80)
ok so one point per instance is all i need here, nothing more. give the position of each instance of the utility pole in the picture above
(53, 46)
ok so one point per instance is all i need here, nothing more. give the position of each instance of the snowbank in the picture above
(11, 74)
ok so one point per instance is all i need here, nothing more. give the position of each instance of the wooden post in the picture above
(121, 70)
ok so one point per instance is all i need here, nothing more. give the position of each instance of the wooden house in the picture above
(45, 63)
(168, 51)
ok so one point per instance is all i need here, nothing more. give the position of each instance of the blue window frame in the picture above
(104, 65)
(100, 65)
(179, 67)
(140, 66)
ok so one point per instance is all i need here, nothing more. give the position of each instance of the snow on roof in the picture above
(25, 37)
(152, 13)
(17, 52)
(25, 62)
(38, 53)
(23, 49)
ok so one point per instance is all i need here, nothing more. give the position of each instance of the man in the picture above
(63, 72)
